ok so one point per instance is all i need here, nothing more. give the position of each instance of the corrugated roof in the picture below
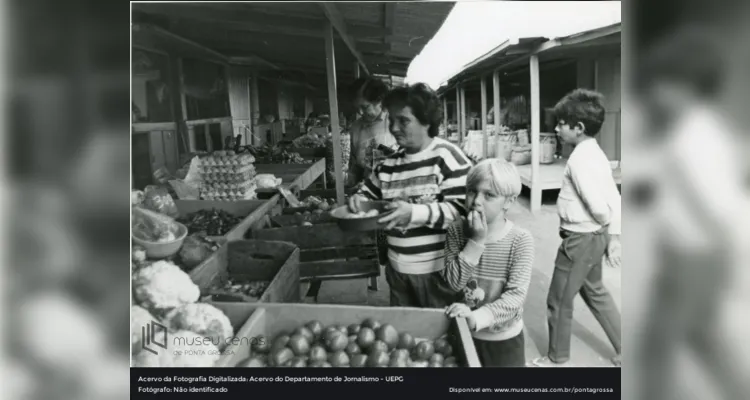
(513, 52)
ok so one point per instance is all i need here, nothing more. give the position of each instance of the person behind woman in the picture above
(425, 181)
(370, 130)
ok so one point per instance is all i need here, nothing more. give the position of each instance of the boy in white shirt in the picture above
(589, 210)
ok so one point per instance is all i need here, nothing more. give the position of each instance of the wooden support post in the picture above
(458, 110)
(189, 132)
(536, 191)
(255, 104)
(483, 88)
(464, 128)
(177, 103)
(445, 114)
(334, 105)
(496, 98)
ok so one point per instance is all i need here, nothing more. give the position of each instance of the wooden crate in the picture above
(252, 211)
(253, 320)
(327, 252)
(251, 260)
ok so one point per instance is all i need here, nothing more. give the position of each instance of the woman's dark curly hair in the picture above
(422, 101)
(371, 89)
(584, 106)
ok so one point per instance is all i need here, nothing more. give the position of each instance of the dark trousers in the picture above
(578, 269)
(504, 353)
(424, 291)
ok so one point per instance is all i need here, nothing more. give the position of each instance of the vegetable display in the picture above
(367, 344)
(252, 289)
(309, 141)
(213, 222)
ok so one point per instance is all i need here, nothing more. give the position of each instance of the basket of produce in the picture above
(160, 235)
(364, 220)
(309, 335)
(250, 271)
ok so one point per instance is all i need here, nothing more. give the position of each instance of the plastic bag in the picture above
(158, 199)
(153, 227)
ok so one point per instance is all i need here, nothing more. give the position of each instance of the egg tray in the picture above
(218, 185)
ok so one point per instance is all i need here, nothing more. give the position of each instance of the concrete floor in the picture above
(589, 345)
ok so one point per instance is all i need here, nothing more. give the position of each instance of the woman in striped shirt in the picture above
(425, 181)
(490, 260)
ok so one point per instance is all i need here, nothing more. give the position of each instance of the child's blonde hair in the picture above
(502, 176)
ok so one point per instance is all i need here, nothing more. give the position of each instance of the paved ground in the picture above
(590, 346)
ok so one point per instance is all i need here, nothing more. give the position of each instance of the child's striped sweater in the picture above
(434, 181)
(501, 268)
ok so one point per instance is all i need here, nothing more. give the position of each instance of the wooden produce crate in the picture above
(268, 320)
(251, 260)
(252, 211)
(327, 252)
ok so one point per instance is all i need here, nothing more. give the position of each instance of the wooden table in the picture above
(295, 176)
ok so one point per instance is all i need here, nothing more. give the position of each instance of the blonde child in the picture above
(489, 258)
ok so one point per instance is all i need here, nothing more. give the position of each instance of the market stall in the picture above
(535, 73)
(232, 231)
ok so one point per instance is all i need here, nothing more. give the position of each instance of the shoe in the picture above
(546, 362)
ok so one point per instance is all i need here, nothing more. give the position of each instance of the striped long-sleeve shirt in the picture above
(434, 181)
(501, 268)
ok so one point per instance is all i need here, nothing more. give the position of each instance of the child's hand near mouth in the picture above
(477, 224)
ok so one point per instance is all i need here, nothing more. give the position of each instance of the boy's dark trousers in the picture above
(504, 353)
(578, 269)
(423, 290)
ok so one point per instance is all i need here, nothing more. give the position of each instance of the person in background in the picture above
(589, 210)
(490, 259)
(370, 130)
(701, 210)
(369, 137)
(425, 181)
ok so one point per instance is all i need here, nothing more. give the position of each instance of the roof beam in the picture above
(252, 21)
(337, 21)
(147, 28)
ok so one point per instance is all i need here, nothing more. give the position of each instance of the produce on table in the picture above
(309, 141)
(203, 319)
(153, 227)
(212, 222)
(317, 203)
(368, 344)
(186, 349)
(195, 250)
(251, 289)
(139, 318)
(291, 158)
(159, 200)
(162, 286)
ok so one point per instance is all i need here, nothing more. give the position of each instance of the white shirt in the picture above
(589, 199)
